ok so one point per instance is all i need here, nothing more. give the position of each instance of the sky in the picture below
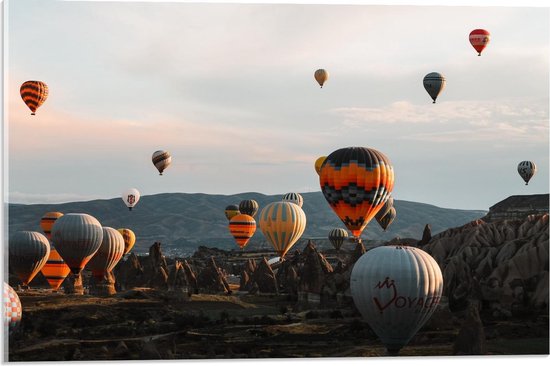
(228, 89)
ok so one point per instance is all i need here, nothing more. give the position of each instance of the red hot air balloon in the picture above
(479, 38)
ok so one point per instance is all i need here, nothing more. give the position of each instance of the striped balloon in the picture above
(162, 159)
(321, 76)
(242, 227)
(385, 209)
(108, 254)
(337, 237)
(387, 219)
(396, 289)
(28, 253)
(129, 239)
(231, 211)
(249, 207)
(434, 83)
(55, 270)
(34, 94)
(294, 198)
(282, 223)
(319, 163)
(356, 182)
(47, 221)
(13, 311)
(77, 237)
(527, 170)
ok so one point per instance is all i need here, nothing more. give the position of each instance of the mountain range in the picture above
(182, 221)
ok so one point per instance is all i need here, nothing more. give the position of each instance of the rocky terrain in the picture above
(233, 304)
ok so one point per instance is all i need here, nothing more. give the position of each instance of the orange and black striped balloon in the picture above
(55, 270)
(242, 227)
(356, 182)
(34, 94)
(47, 221)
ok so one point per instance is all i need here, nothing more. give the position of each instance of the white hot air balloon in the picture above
(527, 170)
(396, 289)
(130, 197)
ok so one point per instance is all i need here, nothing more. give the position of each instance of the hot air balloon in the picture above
(55, 270)
(162, 159)
(356, 182)
(131, 197)
(28, 252)
(294, 198)
(337, 237)
(108, 254)
(13, 311)
(231, 211)
(479, 38)
(318, 163)
(385, 209)
(129, 239)
(387, 219)
(242, 227)
(434, 83)
(396, 289)
(321, 76)
(248, 207)
(77, 237)
(282, 223)
(47, 221)
(34, 94)
(527, 170)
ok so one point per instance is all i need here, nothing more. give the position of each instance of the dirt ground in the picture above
(147, 324)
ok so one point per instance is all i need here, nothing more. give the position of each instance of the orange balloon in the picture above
(242, 227)
(55, 270)
(47, 221)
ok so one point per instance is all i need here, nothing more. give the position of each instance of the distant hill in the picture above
(518, 207)
(182, 222)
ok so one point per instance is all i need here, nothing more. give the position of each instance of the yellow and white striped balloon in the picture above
(282, 223)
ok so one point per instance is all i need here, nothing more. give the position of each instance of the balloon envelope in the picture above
(385, 209)
(28, 253)
(282, 223)
(294, 198)
(131, 197)
(77, 237)
(248, 207)
(161, 159)
(55, 270)
(129, 239)
(318, 163)
(231, 211)
(47, 221)
(34, 94)
(242, 227)
(108, 254)
(479, 39)
(337, 237)
(434, 83)
(356, 182)
(321, 76)
(396, 289)
(13, 311)
(387, 219)
(527, 170)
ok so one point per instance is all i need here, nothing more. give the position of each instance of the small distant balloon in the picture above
(242, 227)
(249, 207)
(318, 163)
(162, 159)
(294, 198)
(479, 39)
(231, 211)
(129, 239)
(321, 76)
(527, 170)
(131, 198)
(434, 83)
(387, 219)
(34, 94)
(337, 237)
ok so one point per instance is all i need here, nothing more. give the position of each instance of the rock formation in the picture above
(314, 270)
(518, 207)
(503, 263)
(129, 273)
(471, 337)
(212, 280)
(426, 236)
(264, 278)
